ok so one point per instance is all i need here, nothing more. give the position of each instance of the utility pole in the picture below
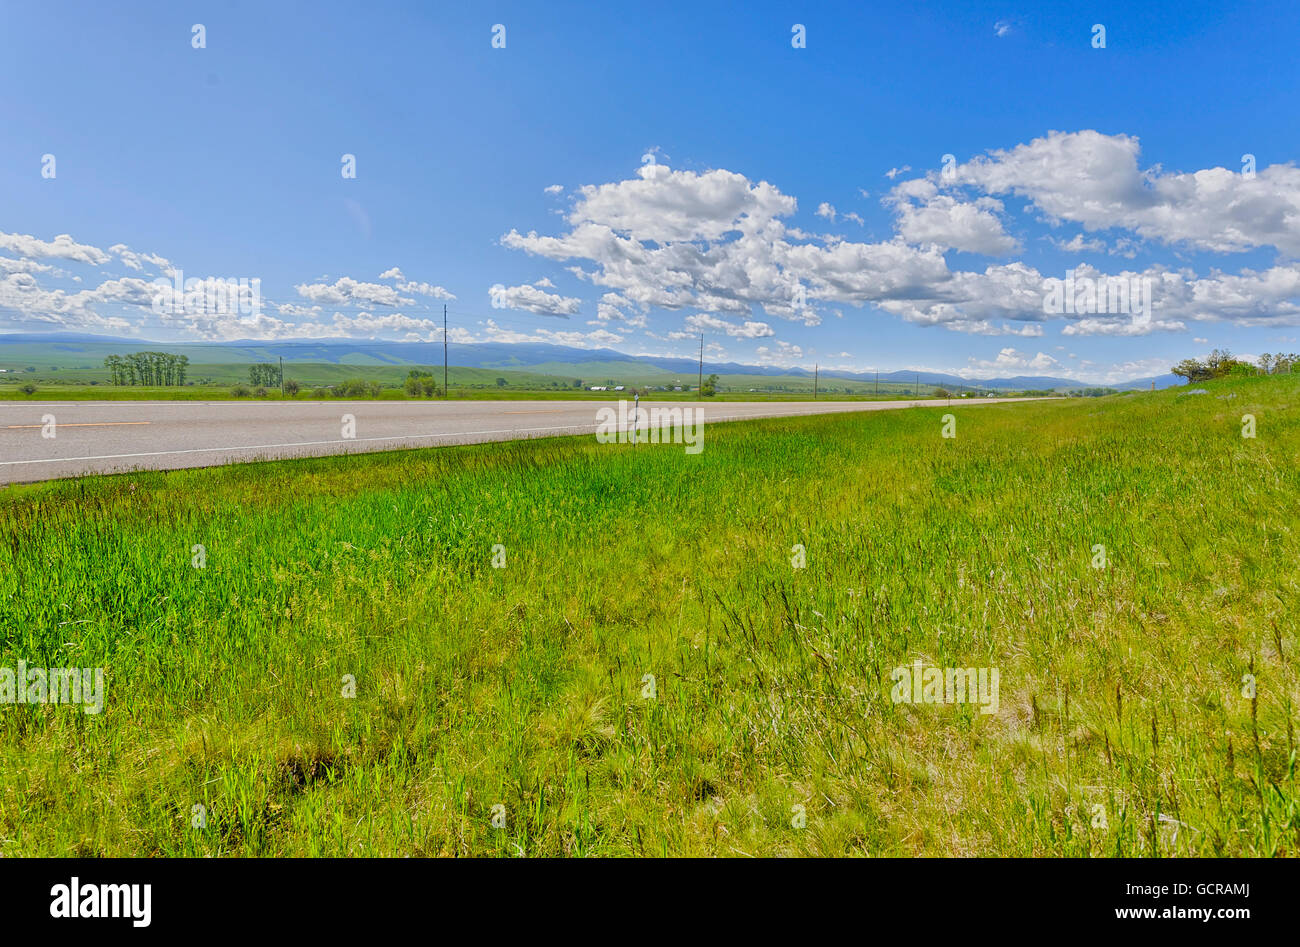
(281, 376)
(815, 367)
(444, 350)
(918, 386)
(877, 383)
(701, 387)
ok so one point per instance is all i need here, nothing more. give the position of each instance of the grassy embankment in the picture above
(1121, 694)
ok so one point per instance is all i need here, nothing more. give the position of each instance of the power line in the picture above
(701, 386)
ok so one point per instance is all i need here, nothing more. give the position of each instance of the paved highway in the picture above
(94, 437)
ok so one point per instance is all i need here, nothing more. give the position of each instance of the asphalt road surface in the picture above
(94, 437)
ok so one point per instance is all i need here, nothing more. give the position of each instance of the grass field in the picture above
(213, 381)
(215, 393)
(768, 728)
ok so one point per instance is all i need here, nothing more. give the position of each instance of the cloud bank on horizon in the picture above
(667, 254)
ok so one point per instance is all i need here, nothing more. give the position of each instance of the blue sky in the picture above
(225, 162)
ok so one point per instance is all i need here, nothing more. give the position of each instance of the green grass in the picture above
(213, 382)
(523, 687)
(484, 393)
(222, 375)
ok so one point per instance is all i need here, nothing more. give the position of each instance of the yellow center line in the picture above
(79, 424)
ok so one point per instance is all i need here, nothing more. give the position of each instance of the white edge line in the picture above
(409, 437)
(343, 440)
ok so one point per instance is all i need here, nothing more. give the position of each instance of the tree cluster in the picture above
(264, 374)
(420, 384)
(1278, 362)
(1220, 364)
(147, 368)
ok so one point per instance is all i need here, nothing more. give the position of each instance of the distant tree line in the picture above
(1220, 364)
(1272, 364)
(147, 368)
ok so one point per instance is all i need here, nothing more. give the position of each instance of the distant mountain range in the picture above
(535, 357)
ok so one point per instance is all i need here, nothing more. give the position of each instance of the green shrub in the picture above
(420, 385)
(357, 388)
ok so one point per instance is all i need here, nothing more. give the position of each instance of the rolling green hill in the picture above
(211, 376)
(54, 354)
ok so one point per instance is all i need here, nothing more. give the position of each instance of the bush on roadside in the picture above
(357, 388)
(239, 391)
(291, 388)
(420, 385)
(260, 392)
(28, 389)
